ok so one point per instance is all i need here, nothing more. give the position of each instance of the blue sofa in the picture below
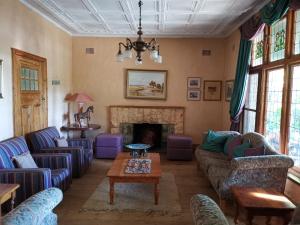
(54, 169)
(80, 148)
(37, 210)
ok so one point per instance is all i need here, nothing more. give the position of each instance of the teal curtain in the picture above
(238, 96)
(274, 11)
(269, 14)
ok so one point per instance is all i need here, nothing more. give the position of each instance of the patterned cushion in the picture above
(44, 138)
(255, 151)
(61, 142)
(59, 177)
(231, 143)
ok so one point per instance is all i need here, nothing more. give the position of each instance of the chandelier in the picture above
(139, 46)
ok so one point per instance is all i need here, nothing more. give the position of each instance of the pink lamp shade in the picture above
(79, 98)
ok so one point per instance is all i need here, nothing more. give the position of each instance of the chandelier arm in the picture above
(129, 43)
(120, 44)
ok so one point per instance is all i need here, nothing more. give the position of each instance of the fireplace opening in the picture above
(147, 133)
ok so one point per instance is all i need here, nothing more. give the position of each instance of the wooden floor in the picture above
(189, 181)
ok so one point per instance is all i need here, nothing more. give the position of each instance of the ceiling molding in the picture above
(160, 18)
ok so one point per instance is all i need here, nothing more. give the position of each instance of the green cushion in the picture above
(214, 141)
(239, 151)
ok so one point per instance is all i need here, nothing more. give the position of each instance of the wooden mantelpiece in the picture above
(146, 114)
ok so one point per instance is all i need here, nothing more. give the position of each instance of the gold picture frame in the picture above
(212, 90)
(146, 84)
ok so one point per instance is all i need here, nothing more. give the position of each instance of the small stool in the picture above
(108, 145)
(179, 147)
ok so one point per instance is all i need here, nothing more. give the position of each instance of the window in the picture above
(297, 33)
(258, 49)
(277, 40)
(294, 116)
(274, 92)
(250, 104)
(29, 79)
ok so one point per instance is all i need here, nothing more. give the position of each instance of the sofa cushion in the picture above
(214, 141)
(61, 142)
(231, 143)
(25, 160)
(5, 161)
(239, 151)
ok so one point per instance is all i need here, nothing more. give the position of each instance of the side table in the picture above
(83, 129)
(262, 202)
(8, 191)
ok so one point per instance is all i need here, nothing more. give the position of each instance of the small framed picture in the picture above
(212, 90)
(194, 82)
(193, 95)
(228, 89)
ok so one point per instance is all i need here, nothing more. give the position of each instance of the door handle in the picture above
(43, 98)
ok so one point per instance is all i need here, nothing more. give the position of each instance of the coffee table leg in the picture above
(12, 203)
(156, 193)
(249, 218)
(111, 191)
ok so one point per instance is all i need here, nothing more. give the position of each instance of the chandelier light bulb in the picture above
(127, 54)
(159, 59)
(138, 61)
(120, 57)
(154, 54)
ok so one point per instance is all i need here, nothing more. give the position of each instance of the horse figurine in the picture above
(84, 115)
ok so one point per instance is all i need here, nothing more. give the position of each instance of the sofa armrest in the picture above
(54, 161)
(206, 212)
(261, 162)
(35, 209)
(31, 180)
(77, 157)
(86, 143)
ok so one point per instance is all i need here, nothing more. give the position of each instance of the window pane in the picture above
(277, 40)
(251, 96)
(274, 107)
(258, 49)
(249, 121)
(294, 126)
(297, 33)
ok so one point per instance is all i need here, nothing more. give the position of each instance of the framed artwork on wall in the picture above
(1, 77)
(193, 95)
(228, 89)
(194, 82)
(146, 84)
(212, 90)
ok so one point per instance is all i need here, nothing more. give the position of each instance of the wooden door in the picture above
(30, 92)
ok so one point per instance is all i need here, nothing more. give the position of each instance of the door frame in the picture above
(16, 90)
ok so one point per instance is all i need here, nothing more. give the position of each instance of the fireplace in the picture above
(147, 133)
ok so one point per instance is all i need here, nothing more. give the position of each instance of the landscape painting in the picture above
(146, 84)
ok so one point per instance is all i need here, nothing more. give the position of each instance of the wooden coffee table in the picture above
(116, 174)
(8, 191)
(262, 202)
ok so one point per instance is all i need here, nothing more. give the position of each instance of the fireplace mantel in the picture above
(119, 114)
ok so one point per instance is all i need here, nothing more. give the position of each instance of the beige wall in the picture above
(23, 29)
(232, 44)
(103, 78)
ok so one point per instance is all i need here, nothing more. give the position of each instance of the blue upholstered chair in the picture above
(37, 210)
(54, 169)
(80, 148)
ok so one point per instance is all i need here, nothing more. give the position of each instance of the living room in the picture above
(205, 89)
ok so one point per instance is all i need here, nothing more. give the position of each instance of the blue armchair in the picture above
(80, 148)
(55, 169)
(37, 210)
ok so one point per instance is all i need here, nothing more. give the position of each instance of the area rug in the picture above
(136, 197)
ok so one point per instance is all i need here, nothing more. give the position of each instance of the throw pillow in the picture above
(214, 141)
(231, 143)
(61, 142)
(257, 151)
(25, 160)
(239, 151)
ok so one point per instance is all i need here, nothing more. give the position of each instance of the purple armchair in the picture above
(54, 169)
(81, 149)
